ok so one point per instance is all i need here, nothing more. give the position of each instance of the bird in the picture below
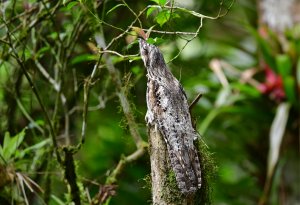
(168, 112)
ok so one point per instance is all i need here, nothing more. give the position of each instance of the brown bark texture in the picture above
(164, 187)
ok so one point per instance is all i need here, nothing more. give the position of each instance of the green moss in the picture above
(171, 192)
(147, 180)
(208, 172)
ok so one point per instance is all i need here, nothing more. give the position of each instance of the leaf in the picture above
(150, 11)
(37, 146)
(57, 200)
(265, 49)
(53, 35)
(156, 1)
(71, 4)
(276, 134)
(11, 144)
(5, 143)
(175, 15)
(163, 17)
(222, 98)
(284, 65)
(42, 51)
(115, 7)
(136, 70)
(289, 88)
(298, 73)
(246, 89)
(160, 2)
(83, 58)
(155, 41)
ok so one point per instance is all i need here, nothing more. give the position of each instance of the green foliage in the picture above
(160, 2)
(10, 146)
(162, 17)
(208, 173)
(151, 10)
(155, 41)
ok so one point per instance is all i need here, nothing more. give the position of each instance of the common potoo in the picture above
(168, 111)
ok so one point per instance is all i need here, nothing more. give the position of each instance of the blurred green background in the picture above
(247, 70)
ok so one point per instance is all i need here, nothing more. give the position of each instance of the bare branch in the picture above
(171, 32)
(118, 54)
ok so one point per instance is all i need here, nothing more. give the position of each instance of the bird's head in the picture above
(150, 54)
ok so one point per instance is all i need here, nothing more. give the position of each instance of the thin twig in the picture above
(127, 30)
(188, 41)
(112, 178)
(171, 32)
(118, 54)
(136, 16)
(195, 101)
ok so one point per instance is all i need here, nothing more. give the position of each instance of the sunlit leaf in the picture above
(11, 144)
(150, 11)
(162, 2)
(155, 41)
(163, 17)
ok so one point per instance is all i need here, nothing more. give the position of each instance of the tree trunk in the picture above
(164, 186)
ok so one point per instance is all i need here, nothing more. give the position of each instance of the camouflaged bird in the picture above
(168, 111)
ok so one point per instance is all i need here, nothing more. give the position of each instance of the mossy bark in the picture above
(164, 186)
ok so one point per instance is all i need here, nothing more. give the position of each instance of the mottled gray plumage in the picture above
(168, 111)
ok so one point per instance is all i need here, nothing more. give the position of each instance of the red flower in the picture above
(273, 85)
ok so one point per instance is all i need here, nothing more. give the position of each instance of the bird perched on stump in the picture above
(168, 111)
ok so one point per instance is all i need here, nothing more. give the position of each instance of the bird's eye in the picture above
(145, 51)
